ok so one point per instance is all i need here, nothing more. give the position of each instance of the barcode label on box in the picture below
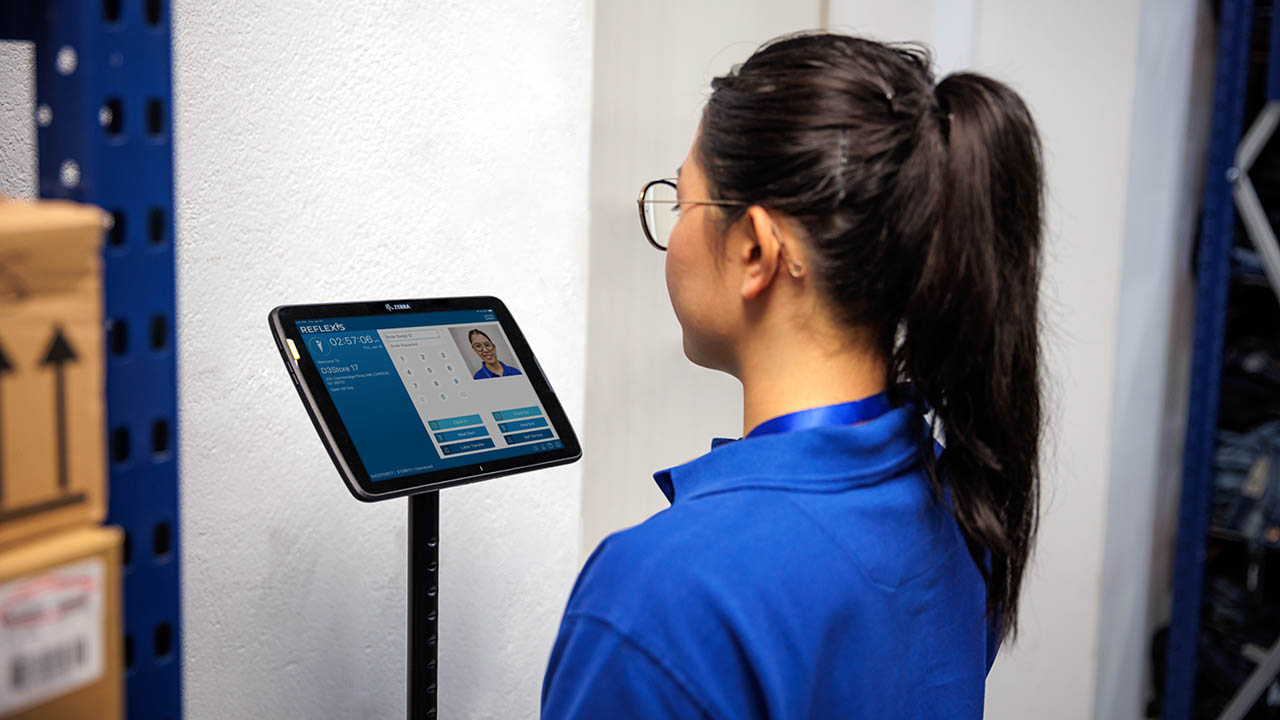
(50, 634)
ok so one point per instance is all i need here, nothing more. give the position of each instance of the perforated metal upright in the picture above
(424, 606)
(103, 113)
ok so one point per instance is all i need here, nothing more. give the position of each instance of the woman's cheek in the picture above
(683, 290)
(673, 276)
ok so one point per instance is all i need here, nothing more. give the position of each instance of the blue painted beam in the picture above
(1273, 60)
(1212, 284)
(104, 133)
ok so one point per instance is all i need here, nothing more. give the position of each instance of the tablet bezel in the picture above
(333, 433)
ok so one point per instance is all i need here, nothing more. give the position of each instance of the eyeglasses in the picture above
(656, 218)
(657, 224)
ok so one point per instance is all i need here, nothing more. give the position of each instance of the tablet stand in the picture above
(424, 603)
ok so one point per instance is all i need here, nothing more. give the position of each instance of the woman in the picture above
(861, 249)
(491, 366)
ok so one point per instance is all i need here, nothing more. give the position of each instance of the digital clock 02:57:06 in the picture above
(352, 340)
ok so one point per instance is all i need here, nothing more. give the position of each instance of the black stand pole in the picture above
(424, 603)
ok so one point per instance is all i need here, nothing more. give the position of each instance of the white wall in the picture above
(1169, 134)
(335, 150)
(17, 123)
(327, 151)
(648, 407)
(905, 20)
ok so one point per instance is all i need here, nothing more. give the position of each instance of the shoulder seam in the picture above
(676, 680)
(857, 562)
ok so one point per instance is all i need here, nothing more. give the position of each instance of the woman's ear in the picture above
(760, 253)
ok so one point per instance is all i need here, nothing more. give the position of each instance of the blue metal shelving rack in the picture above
(1226, 185)
(104, 119)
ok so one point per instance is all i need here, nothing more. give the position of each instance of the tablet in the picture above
(416, 395)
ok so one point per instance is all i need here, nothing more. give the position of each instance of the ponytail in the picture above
(922, 212)
(970, 330)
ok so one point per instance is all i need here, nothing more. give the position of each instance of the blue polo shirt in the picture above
(801, 574)
(485, 373)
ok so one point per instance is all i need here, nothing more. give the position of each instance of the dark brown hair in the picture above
(922, 211)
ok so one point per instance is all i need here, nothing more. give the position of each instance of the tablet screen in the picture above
(423, 392)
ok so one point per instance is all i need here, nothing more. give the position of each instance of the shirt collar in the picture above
(828, 458)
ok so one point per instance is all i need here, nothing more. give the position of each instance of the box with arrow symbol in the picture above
(52, 436)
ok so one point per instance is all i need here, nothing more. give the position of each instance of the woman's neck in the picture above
(495, 366)
(792, 376)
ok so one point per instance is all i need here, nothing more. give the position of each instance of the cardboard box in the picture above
(60, 632)
(52, 445)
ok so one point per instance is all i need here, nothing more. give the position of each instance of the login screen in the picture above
(427, 391)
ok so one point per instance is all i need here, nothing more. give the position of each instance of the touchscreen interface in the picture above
(428, 391)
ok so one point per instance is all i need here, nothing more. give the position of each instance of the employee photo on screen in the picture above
(486, 351)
